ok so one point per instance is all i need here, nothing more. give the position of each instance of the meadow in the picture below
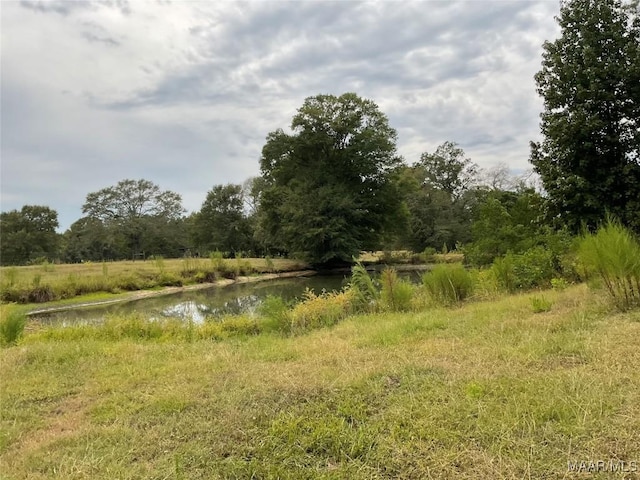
(504, 386)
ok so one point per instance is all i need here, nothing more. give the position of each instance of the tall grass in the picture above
(613, 254)
(448, 284)
(12, 323)
(395, 293)
(365, 293)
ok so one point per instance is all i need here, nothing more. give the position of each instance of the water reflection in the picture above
(208, 304)
(201, 305)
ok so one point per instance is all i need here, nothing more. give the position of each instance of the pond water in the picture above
(209, 303)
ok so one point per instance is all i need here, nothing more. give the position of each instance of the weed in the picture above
(448, 283)
(540, 304)
(395, 294)
(12, 323)
(613, 254)
(275, 313)
(363, 289)
(315, 311)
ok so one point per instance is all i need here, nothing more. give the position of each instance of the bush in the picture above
(533, 268)
(12, 323)
(396, 293)
(613, 254)
(448, 283)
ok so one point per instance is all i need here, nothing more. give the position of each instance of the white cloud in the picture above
(184, 93)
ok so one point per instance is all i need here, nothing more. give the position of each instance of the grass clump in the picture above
(275, 314)
(12, 323)
(540, 303)
(364, 291)
(613, 254)
(448, 284)
(395, 293)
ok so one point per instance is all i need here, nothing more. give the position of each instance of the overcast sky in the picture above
(183, 93)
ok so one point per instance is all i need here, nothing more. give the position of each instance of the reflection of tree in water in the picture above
(201, 305)
(199, 312)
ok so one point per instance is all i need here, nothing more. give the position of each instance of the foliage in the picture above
(221, 223)
(448, 170)
(316, 311)
(590, 83)
(540, 304)
(138, 219)
(395, 293)
(12, 323)
(448, 284)
(533, 268)
(362, 288)
(275, 314)
(329, 191)
(28, 234)
(504, 222)
(439, 198)
(613, 254)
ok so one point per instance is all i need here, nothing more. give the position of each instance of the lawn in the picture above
(486, 390)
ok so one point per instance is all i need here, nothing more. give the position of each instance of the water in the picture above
(198, 305)
(209, 303)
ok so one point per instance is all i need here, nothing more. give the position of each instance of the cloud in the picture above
(184, 93)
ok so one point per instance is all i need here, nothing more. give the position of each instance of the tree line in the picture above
(333, 184)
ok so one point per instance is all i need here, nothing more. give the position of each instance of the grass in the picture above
(486, 390)
(47, 282)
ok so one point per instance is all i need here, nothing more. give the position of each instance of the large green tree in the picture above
(329, 189)
(589, 159)
(146, 218)
(439, 191)
(28, 234)
(221, 223)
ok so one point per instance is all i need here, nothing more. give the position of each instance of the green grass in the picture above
(486, 390)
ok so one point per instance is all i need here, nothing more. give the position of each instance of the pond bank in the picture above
(141, 294)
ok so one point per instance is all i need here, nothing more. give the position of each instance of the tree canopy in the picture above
(28, 234)
(221, 223)
(589, 158)
(142, 218)
(328, 190)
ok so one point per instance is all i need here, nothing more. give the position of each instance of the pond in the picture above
(209, 303)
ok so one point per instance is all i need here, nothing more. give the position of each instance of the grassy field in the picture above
(487, 390)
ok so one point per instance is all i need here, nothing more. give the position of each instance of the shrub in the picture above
(12, 323)
(533, 268)
(395, 293)
(613, 254)
(448, 283)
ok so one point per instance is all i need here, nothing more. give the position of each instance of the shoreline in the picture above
(140, 294)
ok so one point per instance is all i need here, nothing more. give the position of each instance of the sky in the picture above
(184, 93)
